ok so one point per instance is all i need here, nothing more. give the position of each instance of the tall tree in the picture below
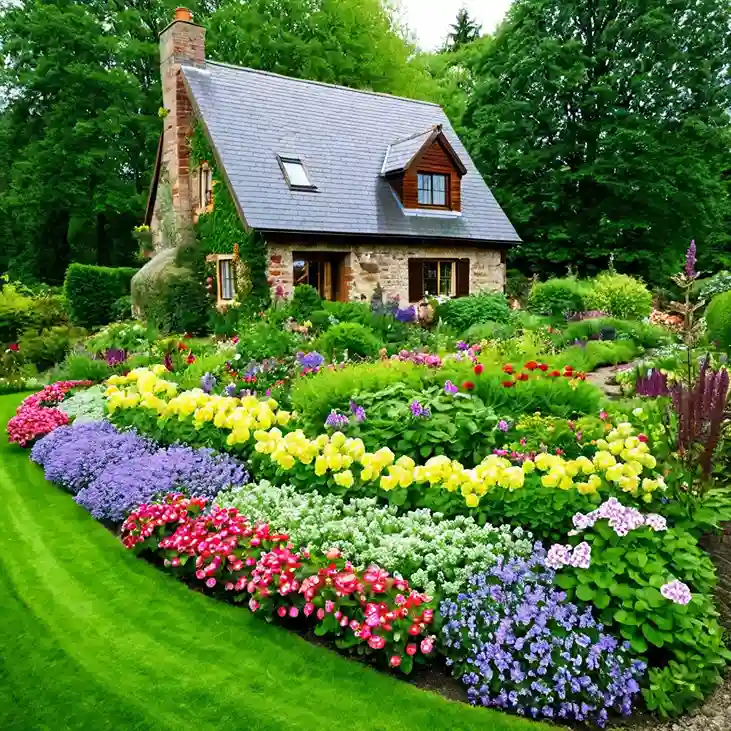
(463, 31)
(603, 128)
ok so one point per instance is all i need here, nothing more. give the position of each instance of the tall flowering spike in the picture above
(690, 259)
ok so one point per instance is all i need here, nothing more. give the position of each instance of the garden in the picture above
(439, 492)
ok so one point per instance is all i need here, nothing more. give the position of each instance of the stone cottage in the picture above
(349, 188)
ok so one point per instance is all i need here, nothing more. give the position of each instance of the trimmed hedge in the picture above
(92, 292)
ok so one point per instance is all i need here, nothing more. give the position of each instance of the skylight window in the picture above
(295, 173)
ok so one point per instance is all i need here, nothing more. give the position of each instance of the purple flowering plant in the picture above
(112, 472)
(651, 584)
(517, 643)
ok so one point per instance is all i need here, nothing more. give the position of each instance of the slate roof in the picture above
(341, 135)
(400, 154)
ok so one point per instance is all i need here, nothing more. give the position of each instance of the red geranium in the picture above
(508, 384)
(543, 367)
(468, 385)
(507, 368)
(554, 374)
(531, 365)
(478, 369)
(521, 377)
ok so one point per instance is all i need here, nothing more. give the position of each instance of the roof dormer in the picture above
(425, 172)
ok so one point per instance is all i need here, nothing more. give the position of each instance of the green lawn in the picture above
(93, 638)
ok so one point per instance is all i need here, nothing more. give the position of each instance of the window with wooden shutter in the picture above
(416, 280)
(463, 278)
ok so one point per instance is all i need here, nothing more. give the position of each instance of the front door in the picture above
(321, 271)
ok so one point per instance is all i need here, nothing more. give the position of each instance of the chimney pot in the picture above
(183, 14)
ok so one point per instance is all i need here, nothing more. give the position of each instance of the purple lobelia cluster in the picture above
(113, 472)
(518, 644)
(73, 456)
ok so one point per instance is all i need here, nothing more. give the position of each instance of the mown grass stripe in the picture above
(92, 638)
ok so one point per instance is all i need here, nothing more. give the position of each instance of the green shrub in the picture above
(45, 348)
(718, 320)
(182, 305)
(82, 367)
(305, 300)
(262, 340)
(16, 314)
(208, 363)
(122, 308)
(464, 312)
(91, 292)
(386, 327)
(349, 339)
(558, 297)
(314, 396)
(490, 331)
(717, 284)
(645, 334)
(620, 295)
(224, 323)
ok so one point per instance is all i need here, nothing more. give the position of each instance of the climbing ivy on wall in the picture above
(222, 232)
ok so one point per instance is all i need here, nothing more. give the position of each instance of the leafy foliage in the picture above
(262, 340)
(557, 297)
(580, 107)
(464, 312)
(92, 292)
(718, 320)
(620, 295)
(348, 339)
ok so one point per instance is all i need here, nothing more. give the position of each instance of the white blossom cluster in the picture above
(86, 405)
(436, 554)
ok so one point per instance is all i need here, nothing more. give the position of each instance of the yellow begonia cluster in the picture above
(621, 458)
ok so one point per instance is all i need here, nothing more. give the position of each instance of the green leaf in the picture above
(638, 644)
(585, 593)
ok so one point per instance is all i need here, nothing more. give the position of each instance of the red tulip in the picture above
(507, 368)
(478, 369)
(531, 365)
(508, 384)
(543, 367)
(468, 385)
(521, 377)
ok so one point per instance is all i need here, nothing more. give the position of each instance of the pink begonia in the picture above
(621, 519)
(676, 591)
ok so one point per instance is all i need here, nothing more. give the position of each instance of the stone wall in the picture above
(387, 264)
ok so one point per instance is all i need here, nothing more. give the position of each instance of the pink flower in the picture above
(377, 642)
(282, 611)
(427, 645)
(329, 606)
(210, 583)
(333, 553)
(394, 661)
(308, 609)
(321, 613)
(253, 604)
(293, 612)
(411, 649)
(399, 600)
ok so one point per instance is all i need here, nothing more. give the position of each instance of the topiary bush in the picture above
(349, 339)
(558, 297)
(305, 300)
(464, 312)
(620, 295)
(718, 320)
(92, 291)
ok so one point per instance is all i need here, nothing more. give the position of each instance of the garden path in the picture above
(98, 639)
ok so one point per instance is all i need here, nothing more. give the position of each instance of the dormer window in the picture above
(295, 173)
(432, 189)
(205, 185)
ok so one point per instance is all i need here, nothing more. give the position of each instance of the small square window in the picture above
(432, 189)
(226, 284)
(295, 173)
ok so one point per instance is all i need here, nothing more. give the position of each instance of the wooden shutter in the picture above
(416, 280)
(463, 277)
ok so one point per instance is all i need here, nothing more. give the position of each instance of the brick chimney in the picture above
(183, 41)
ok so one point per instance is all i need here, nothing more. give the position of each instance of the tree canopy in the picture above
(603, 128)
(464, 30)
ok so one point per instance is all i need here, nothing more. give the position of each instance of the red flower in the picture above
(13, 347)
(642, 438)
(508, 384)
(507, 368)
(182, 346)
(543, 367)
(395, 661)
(521, 377)
(531, 365)
(190, 359)
(468, 385)
(554, 374)
(411, 649)
(478, 369)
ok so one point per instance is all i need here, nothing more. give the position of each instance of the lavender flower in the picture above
(231, 390)
(518, 644)
(407, 314)
(311, 361)
(676, 591)
(503, 425)
(621, 519)
(115, 356)
(462, 345)
(690, 259)
(419, 411)
(208, 382)
(559, 556)
(357, 411)
(450, 389)
(336, 420)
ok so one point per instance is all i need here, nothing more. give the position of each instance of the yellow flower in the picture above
(320, 466)
(529, 466)
(472, 500)
(344, 479)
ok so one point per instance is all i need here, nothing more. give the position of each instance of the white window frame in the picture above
(452, 279)
(220, 259)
